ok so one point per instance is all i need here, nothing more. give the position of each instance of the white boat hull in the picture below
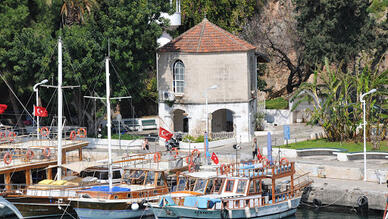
(85, 213)
(278, 210)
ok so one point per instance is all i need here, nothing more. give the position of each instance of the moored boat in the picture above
(248, 191)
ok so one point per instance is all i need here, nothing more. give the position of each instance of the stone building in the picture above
(208, 71)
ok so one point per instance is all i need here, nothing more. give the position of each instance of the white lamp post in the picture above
(363, 106)
(35, 88)
(207, 114)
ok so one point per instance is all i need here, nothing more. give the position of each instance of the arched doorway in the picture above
(181, 122)
(222, 121)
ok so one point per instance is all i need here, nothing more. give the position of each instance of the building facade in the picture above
(207, 81)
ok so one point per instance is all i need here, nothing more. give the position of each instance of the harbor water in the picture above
(303, 213)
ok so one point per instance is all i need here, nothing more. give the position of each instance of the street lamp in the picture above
(35, 88)
(207, 114)
(363, 106)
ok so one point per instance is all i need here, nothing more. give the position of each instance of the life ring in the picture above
(83, 134)
(2, 135)
(176, 152)
(191, 167)
(29, 154)
(157, 157)
(11, 136)
(46, 152)
(7, 158)
(283, 160)
(44, 131)
(72, 135)
(197, 153)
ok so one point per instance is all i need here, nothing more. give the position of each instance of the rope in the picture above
(17, 98)
(65, 211)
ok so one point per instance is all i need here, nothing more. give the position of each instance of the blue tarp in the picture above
(106, 189)
(200, 202)
(168, 199)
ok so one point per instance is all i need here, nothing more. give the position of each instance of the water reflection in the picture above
(321, 214)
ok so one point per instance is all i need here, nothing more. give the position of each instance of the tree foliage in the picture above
(230, 15)
(337, 106)
(336, 29)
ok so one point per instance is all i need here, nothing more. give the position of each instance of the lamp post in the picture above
(363, 106)
(35, 88)
(207, 114)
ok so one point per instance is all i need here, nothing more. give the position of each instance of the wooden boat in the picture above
(125, 200)
(247, 191)
(188, 184)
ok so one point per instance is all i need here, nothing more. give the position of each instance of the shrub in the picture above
(276, 103)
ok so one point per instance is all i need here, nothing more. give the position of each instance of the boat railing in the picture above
(257, 169)
(302, 181)
(257, 200)
(146, 193)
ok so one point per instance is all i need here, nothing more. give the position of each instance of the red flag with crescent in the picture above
(163, 133)
(214, 158)
(3, 107)
(40, 111)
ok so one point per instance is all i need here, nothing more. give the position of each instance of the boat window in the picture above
(252, 186)
(242, 184)
(150, 178)
(137, 177)
(200, 185)
(209, 187)
(160, 179)
(182, 184)
(229, 185)
(191, 184)
(217, 185)
(116, 174)
(103, 175)
(129, 195)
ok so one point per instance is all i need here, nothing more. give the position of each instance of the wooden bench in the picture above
(318, 151)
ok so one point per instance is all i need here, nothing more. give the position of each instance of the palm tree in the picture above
(73, 11)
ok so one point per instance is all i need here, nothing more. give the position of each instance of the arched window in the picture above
(179, 76)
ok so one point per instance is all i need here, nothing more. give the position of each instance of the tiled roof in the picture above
(206, 37)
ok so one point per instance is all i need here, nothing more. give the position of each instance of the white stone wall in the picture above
(230, 71)
(279, 117)
(242, 117)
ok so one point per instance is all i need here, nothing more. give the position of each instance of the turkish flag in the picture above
(40, 111)
(214, 158)
(3, 107)
(163, 133)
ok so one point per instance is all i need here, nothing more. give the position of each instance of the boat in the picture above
(188, 184)
(47, 198)
(248, 190)
(125, 200)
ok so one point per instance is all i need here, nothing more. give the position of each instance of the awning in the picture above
(77, 166)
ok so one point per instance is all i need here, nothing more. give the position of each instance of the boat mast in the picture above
(109, 123)
(59, 169)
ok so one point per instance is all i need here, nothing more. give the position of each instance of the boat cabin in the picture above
(135, 183)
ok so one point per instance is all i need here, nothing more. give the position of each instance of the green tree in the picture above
(337, 106)
(336, 29)
(230, 15)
